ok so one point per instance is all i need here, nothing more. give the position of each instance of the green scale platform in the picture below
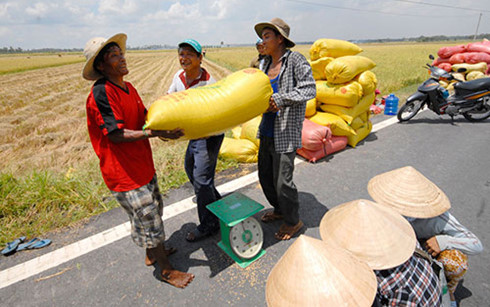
(241, 234)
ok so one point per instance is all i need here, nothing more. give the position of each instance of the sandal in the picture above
(196, 235)
(12, 246)
(287, 232)
(270, 217)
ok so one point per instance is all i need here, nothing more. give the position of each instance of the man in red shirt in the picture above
(115, 117)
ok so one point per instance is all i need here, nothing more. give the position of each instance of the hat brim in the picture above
(310, 273)
(409, 192)
(259, 28)
(89, 72)
(383, 244)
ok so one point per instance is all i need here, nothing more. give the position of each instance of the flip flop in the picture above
(287, 232)
(271, 216)
(26, 245)
(40, 244)
(12, 246)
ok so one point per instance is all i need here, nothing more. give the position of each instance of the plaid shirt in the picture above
(411, 284)
(296, 87)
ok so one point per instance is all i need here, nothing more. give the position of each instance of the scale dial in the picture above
(246, 238)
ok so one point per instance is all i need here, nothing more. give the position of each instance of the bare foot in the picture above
(151, 260)
(177, 278)
(287, 232)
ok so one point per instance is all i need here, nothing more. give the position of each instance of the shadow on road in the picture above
(462, 292)
(214, 257)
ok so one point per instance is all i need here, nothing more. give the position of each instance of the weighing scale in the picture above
(241, 234)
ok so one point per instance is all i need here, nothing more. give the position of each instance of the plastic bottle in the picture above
(391, 105)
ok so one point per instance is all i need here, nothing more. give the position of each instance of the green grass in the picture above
(42, 201)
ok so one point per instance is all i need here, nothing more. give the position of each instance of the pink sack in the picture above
(440, 61)
(476, 57)
(447, 52)
(457, 58)
(334, 144)
(314, 136)
(478, 47)
(446, 66)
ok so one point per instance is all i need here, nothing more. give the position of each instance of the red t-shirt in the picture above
(125, 166)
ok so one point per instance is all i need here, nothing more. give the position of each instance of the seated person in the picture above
(426, 207)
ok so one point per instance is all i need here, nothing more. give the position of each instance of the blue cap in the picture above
(259, 41)
(193, 43)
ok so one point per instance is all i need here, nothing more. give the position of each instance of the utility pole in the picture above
(477, 26)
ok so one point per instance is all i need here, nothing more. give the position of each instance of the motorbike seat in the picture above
(473, 85)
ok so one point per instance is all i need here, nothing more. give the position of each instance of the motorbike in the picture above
(470, 98)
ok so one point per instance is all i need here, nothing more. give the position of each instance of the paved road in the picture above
(455, 156)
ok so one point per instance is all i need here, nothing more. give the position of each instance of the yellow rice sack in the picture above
(459, 76)
(361, 134)
(236, 132)
(357, 123)
(310, 107)
(318, 67)
(334, 48)
(346, 95)
(241, 150)
(482, 66)
(344, 69)
(348, 114)
(249, 130)
(337, 125)
(472, 75)
(214, 108)
(368, 81)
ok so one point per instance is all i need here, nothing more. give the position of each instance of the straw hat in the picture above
(279, 25)
(92, 49)
(310, 273)
(409, 192)
(377, 235)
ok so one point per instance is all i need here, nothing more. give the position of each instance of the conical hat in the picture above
(409, 192)
(310, 273)
(375, 234)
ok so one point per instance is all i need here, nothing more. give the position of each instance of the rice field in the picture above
(49, 175)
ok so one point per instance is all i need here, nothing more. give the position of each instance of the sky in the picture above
(35, 24)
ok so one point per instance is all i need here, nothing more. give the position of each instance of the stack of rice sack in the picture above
(475, 57)
(243, 146)
(466, 72)
(345, 88)
(318, 142)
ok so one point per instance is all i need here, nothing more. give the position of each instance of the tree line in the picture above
(422, 38)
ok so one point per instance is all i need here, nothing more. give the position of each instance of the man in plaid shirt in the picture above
(412, 284)
(280, 129)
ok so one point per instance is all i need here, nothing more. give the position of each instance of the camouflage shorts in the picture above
(144, 207)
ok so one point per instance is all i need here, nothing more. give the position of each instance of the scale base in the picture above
(241, 262)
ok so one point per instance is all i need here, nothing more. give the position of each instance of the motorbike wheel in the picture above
(409, 110)
(479, 114)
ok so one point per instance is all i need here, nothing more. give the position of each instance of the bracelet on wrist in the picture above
(146, 133)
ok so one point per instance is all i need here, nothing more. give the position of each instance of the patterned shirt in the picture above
(296, 86)
(450, 234)
(411, 284)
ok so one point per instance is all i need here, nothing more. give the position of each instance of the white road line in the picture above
(64, 254)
